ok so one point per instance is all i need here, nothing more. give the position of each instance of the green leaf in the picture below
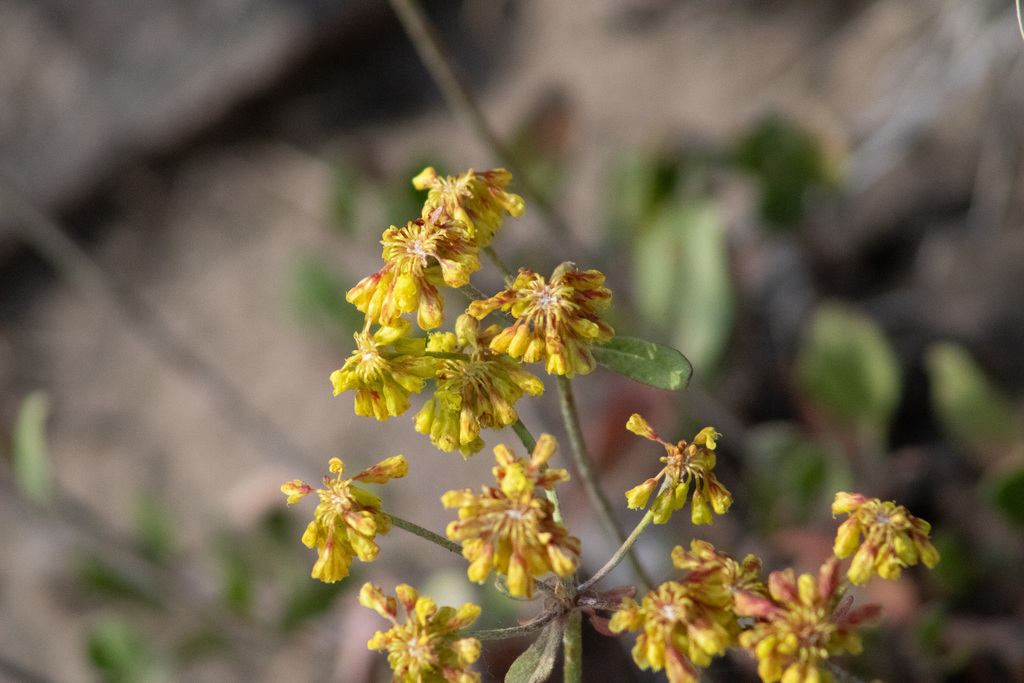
(968, 406)
(536, 664)
(794, 476)
(1008, 496)
(847, 365)
(641, 184)
(681, 279)
(104, 580)
(239, 584)
(156, 528)
(117, 651)
(31, 460)
(787, 159)
(646, 362)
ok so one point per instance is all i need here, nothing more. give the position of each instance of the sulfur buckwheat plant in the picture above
(472, 378)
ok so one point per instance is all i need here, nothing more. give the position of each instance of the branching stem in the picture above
(582, 461)
(623, 550)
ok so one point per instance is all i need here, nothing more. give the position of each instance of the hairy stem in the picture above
(425, 533)
(590, 484)
(572, 648)
(513, 631)
(623, 550)
(506, 273)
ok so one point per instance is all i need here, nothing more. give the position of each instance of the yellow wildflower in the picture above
(709, 566)
(478, 200)
(556, 321)
(386, 367)
(347, 517)
(683, 464)
(893, 538)
(510, 529)
(419, 257)
(800, 625)
(684, 625)
(427, 647)
(477, 391)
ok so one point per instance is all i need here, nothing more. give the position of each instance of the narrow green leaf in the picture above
(536, 664)
(968, 406)
(847, 365)
(31, 460)
(646, 362)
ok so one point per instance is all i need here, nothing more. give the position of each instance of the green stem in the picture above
(531, 443)
(619, 554)
(472, 293)
(524, 435)
(443, 355)
(572, 648)
(514, 631)
(425, 533)
(586, 472)
(506, 274)
(459, 96)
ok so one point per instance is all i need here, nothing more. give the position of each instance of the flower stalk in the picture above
(427, 534)
(600, 502)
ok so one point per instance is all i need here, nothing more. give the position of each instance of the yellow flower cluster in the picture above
(688, 622)
(509, 529)
(417, 259)
(386, 367)
(555, 321)
(477, 390)
(893, 538)
(427, 647)
(800, 624)
(684, 463)
(477, 382)
(347, 518)
(477, 200)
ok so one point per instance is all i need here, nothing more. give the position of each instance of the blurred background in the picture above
(820, 203)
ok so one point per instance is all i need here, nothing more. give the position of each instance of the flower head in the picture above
(556, 321)
(386, 367)
(419, 257)
(478, 200)
(478, 391)
(347, 517)
(684, 625)
(509, 529)
(801, 624)
(893, 538)
(711, 567)
(427, 647)
(684, 463)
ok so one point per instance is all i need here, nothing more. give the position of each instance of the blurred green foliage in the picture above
(31, 459)
(968, 406)
(787, 160)
(847, 366)
(117, 651)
